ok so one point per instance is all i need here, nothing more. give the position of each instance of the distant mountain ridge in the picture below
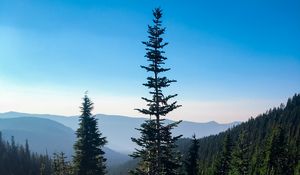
(119, 129)
(46, 136)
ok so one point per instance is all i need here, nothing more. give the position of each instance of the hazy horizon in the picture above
(229, 67)
(107, 115)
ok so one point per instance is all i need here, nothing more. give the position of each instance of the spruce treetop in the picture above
(158, 105)
(156, 143)
(89, 156)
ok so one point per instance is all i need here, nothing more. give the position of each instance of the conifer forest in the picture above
(261, 143)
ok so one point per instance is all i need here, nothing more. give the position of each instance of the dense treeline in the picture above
(17, 159)
(266, 145)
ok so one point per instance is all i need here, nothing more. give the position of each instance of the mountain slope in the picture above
(47, 136)
(42, 134)
(261, 132)
(120, 129)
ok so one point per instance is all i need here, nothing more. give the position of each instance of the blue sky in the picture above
(232, 59)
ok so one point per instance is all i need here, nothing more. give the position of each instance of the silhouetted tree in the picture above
(89, 156)
(191, 165)
(156, 142)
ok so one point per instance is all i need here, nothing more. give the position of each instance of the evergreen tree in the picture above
(278, 158)
(13, 144)
(60, 165)
(223, 163)
(15, 160)
(27, 152)
(170, 157)
(156, 142)
(43, 169)
(240, 156)
(148, 151)
(191, 165)
(262, 138)
(89, 156)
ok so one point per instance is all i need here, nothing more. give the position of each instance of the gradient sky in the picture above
(232, 59)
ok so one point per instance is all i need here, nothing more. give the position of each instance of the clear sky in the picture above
(232, 59)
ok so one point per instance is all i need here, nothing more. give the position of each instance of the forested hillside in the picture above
(17, 159)
(268, 144)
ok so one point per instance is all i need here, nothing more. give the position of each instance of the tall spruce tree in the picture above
(89, 156)
(191, 164)
(223, 162)
(156, 143)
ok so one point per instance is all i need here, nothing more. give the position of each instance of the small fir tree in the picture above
(191, 164)
(240, 156)
(89, 156)
(60, 165)
(223, 162)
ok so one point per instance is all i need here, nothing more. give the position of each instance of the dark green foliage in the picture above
(270, 141)
(240, 156)
(170, 157)
(191, 164)
(279, 156)
(148, 151)
(15, 160)
(156, 143)
(60, 166)
(223, 162)
(89, 157)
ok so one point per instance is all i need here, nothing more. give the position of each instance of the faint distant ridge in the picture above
(120, 139)
(40, 133)
(46, 136)
(14, 114)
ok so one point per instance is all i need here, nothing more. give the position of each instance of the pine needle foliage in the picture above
(89, 156)
(156, 144)
(191, 164)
